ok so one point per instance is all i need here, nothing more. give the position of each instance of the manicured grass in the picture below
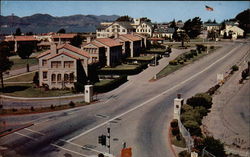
(156, 50)
(23, 78)
(171, 68)
(178, 45)
(28, 90)
(19, 63)
(179, 143)
(103, 82)
(141, 58)
(39, 110)
(123, 67)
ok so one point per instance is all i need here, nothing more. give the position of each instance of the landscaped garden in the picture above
(184, 59)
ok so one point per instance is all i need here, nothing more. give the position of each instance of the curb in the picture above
(15, 130)
(41, 98)
(170, 143)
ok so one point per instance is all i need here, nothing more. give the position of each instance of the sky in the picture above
(157, 11)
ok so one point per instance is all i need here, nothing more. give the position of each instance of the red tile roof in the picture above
(131, 37)
(108, 42)
(64, 53)
(63, 35)
(93, 43)
(69, 47)
(43, 54)
(74, 49)
(20, 38)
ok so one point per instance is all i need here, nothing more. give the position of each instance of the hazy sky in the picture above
(157, 11)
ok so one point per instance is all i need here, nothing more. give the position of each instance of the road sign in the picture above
(126, 152)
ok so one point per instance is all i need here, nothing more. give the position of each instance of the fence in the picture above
(186, 135)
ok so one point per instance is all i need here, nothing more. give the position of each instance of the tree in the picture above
(244, 21)
(62, 30)
(18, 31)
(5, 63)
(125, 18)
(77, 40)
(213, 34)
(29, 33)
(214, 146)
(24, 51)
(184, 38)
(193, 27)
(36, 79)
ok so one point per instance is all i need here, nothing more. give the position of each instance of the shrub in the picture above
(32, 108)
(234, 68)
(174, 123)
(185, 108)
(173, 62)
(72, 104)
(79, 87)
(181, 61)
(193, 127)
(214, 146)
(175, 131)
(36, 79)
(213, 89)
(244, 74)
(52, 107)
(192, 115)
(200, 99)
(201, 110)
(211, 47)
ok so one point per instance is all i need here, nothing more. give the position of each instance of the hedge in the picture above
(111, 85)
(124, 71)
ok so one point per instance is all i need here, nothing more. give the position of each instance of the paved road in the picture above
(138, 113)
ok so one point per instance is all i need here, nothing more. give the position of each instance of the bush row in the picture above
(111, 85)
(192, 113)
(124, 71)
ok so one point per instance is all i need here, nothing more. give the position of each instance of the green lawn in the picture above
(178, 45)
(28, 90)
(141, 58)
(103, 82)
(23, 78)
(156, 50)
(123, 67)
(19, 63)
(171, 68)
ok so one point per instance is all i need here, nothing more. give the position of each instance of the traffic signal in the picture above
(102, 140)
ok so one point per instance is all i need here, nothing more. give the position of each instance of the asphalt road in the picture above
(138, 113)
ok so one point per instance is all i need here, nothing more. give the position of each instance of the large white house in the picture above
(59, 66)
(235, 31)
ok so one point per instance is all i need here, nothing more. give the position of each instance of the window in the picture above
(118, 30)
(123, 30)
(44, 62)
(56, 64)
(66, 77)
(68, 64)
(59, 78)
(53, 77)
(94, 59)
(107, 30)
(71, 77)
(45, 75)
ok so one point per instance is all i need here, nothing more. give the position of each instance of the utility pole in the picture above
(109, 138)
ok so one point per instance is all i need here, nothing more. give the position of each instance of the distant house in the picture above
(113, 50)
(60, 66)
(212, 26)
(60, 38)
(231, 28)
(145, 28)
(163, 33)
(15, 41)
(116, 28)
(134, 44)
(96, 52)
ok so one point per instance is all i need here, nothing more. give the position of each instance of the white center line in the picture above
(155, 97)
(25, 136)
(34, 131)
(69, 150)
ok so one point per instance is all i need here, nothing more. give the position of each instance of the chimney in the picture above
(88, 40)
(53, 48)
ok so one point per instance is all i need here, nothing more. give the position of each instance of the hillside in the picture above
(43, 23)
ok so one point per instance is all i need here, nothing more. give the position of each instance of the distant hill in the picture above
(43, 23)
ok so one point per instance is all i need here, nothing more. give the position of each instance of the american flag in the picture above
(209, 8)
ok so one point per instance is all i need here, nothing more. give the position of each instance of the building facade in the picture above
(59, 66)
